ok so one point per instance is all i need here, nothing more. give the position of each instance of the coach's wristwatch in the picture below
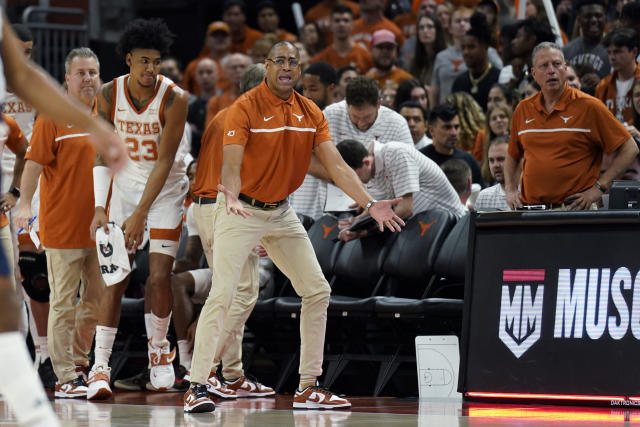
(369, 204)
(15, 191)
(600, 187)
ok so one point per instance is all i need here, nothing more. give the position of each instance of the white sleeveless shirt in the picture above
(141, 131)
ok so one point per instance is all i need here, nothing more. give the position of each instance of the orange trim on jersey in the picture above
(155, 92)
(164, 99)
(166, 233)
(114, 96)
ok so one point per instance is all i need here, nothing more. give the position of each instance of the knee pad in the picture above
(33, 267)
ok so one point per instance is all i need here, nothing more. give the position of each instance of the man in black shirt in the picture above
(444, 126)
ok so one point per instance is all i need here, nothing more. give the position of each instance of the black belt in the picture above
(204, 200)
(258, 203)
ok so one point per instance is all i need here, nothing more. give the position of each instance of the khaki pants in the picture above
(71, 328)
(229, 349)
(288, 245)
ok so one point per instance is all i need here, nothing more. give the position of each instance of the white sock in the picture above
(20, 385)
(185, 353)
(105, 336)
(148, 325)
(43, 342)
(160, 328)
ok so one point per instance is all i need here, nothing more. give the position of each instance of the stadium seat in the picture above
(451, 262)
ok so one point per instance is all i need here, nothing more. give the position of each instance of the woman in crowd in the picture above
(430, 39)
(388, 94)
(311, 38)
(444, 11)
(498, 124)
(471, 118)
(411, 90)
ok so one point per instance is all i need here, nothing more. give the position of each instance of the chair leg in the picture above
(334, 370)
(287, 370)
(387, 369)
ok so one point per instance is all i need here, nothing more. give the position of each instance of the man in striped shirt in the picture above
(494, 198)
(395, 170)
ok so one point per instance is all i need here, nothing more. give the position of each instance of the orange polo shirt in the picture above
(321, 14)
(363, 31)
(358, 57)
(606, 91)
(209, 165)
(12, 141)
(244, 45)
(397, 75)
(66, 183)
(562, 149)
(278, 137)
(217, 104)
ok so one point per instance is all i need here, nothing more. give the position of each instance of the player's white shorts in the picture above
(202, 286)
(164, 220)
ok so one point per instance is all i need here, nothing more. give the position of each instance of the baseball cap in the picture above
(383, 36)
(218, 26)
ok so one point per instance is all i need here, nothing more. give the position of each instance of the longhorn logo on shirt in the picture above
(106, 250)
(327, 230)
(521, 309)
(299, 117)
(424, 227)
(456, 64)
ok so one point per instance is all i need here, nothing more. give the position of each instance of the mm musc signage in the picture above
(552, 307)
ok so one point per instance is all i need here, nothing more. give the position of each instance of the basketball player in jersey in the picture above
(20, 386)
(148, 111)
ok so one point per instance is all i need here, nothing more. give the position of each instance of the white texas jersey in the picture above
(25, 116)
(141, 131)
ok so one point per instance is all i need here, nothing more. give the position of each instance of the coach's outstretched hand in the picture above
(234, 205)
(382, 212)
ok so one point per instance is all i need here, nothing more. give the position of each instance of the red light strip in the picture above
(545, 396)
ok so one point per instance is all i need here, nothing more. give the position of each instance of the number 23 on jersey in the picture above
(147, 149)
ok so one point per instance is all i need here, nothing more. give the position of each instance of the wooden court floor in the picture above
(160, 410)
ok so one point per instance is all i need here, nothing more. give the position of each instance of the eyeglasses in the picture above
(293, 62)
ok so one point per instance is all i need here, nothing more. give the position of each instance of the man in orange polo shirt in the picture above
(561, 133)
(270, 135)
(233, 66)
(63, 155)
(242, 36)
(615, 89)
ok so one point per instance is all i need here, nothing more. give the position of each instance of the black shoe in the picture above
(135, 383)
(180, 383)
(47, 376)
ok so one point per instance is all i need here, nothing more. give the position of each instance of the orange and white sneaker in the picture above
(98, 384)
(218, 388)
(197, 400)
(71, 389)
(315, 397)
(245, 387)
(162, 375)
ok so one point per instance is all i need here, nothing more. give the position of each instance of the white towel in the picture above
(112, 255)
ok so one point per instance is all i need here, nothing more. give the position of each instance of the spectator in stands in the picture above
(305, 58)
(425, 7)
(311, 38)
(481, 74)
(372, 20)
(444, 11)
(318, 83)
(630, 16)
(388, 95)
(494, 198)
(411, 90)
(429, 41)
(536, 10)
(449, 62)
(634, 126)
(171, 67)
(396, 170)
(498, 124)
(321, 12)
(531, 88)
(344, 51)
(444, 128)
(217, 45)
(242, 36)
(471, 118)
(587, 130)
(458, 174)
(503, 93)
(615, 89)
(234, 66)
(344, 75)
(269, 22)
(384, 51)
(572, 78)
(206, 77)
(416, 117)
(588, 47)
(260, 49)
(491, 11)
